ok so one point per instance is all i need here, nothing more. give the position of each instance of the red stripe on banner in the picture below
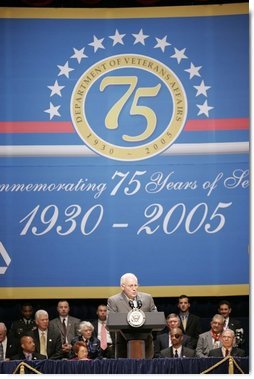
(217, 124)
(36, 127)
(67, 127)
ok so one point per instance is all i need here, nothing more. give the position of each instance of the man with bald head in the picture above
(124, 301)
(163, 340)
(177, 350)
(28, 350)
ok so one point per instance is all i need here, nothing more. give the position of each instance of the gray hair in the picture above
(220, 317)
(3, 326)
(228, 330)
(39, 313)
(126, 276)
(83, 325)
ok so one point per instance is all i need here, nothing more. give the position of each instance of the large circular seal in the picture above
(155, 138)
(136, 318)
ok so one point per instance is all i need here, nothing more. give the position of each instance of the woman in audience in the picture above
(86, 335)
(81, 352)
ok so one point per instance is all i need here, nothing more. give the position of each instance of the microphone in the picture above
(131, 304)
(139, 303)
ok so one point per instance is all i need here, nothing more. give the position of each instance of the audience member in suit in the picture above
(66, 325)
(225, 310)
(53, 348)
(210, 340)
(228, 346)
(189, 323)
(27, 350)
(162, 341)
(21, 326)
(81, 351)
(107, 351)
(6, 347)
(123, 302)
(177, 350)
(85, 334)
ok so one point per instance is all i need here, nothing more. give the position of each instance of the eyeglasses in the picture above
(175, 335)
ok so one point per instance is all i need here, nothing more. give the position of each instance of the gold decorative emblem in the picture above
(141, 99)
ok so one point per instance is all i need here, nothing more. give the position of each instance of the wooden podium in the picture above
(136, 336)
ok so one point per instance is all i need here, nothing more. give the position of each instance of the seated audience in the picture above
(177, 350)
(81, 352)
(162, 341)
(228, 346)
(66, 325)
(86, 335)
(225, 310)
(210, 340)
(189, 323)
(27, 350)
(6, 347)
(47, 339)
(101, 332)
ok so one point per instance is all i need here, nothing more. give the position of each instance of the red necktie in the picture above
(103, 336)
(227, 352)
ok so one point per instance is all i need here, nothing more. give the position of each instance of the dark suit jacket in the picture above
(234, 324)
(95, 332)
(72, 327)
(11, 348)
(110, 351)
(162, 340)
(235, 352)
(18, 329)
(22, 357)
(168, 352)
(54, 344)
(193, 328)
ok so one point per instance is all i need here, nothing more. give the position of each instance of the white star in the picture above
(53, 110)
(79, 54)
(162, 43)
(117, 38)
(64, 70)
(56, 89)
(179, 55)
(201, 89)
(193, 71)
(204, 109)
(97, 43)
(140, 37)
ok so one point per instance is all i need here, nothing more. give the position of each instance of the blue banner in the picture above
(124, 141)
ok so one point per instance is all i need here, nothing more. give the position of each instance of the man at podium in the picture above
(123, 302)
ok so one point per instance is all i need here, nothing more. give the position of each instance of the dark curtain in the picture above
(128, 366)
